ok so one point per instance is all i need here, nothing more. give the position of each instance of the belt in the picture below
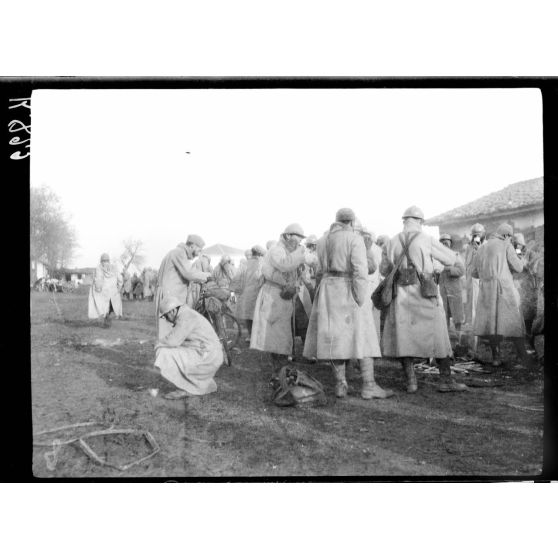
(337, 274)
(273, 283)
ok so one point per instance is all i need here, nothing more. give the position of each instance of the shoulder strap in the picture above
(405, 251)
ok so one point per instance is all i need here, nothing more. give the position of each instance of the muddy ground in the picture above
(82, 372)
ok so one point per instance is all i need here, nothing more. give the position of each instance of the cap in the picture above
(312, 239)
(477, 228)
(294, 228)
(345, 214)
(445, 236)
(519, 239)
(413, 211)
(167, 304)
(105, 257)
(195, 239)
(258, 250)
(504, 229)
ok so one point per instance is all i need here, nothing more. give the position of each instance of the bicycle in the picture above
(212, 305)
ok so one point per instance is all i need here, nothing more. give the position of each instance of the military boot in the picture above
(409, 368)
(341, 386)
(447, 383)
(370, 389)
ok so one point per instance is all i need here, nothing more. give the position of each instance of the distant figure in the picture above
(374, 259)
(104, 294)
(149, 280)
(126, 284)
(189, 353)
(138, 288)
(526, 281)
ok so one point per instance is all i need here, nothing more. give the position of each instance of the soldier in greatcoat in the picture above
(175, 275)
(497, 313)
(415, 325)
(272, 328)
(451, 289)
(341, 323)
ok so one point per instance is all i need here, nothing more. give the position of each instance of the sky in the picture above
(238, 166)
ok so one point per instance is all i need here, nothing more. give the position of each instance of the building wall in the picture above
(37, 270)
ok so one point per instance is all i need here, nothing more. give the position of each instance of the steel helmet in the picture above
(345, 214)
(413, 211)
(294, 228)
(312, 239)
(505, 229)
(477, 228)
(167, 304)
(445, 236)
(519, 239)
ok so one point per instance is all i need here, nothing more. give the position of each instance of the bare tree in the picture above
(133, 253)
(52, 237)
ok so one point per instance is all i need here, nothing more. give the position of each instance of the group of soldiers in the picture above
(137, 287)
(321, 291)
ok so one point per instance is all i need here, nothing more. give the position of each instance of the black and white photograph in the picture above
(274, 281)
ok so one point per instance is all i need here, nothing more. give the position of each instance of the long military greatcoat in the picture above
(341, 323)
(105, 291)
(451, 290)
(498, 305)
(247, 283)
(271, 329)
(471, 284)
(416, 326)
(175, 274)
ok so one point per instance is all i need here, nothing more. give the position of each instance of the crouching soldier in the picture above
(190, 354)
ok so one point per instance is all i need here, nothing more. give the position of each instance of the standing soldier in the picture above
(415, 324)
(272, 329)
(478, 235)
(175, 274)
(498, 313)
(104, 294)
(374, 257)
(341, 324)
(450, 286)
(246, 285)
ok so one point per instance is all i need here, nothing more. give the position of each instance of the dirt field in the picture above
(78, 376)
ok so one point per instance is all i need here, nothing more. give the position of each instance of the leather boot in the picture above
(370, 389)
(447, 383)
(341, 386)
(409, 368)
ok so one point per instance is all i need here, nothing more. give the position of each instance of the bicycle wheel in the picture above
(219, 326)
(232, 329)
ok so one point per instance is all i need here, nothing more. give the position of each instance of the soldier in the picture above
(478, 235)
(341, 324)
(275, 305)
(246, 285)
(415, 324)
(189, 353)
(176, 273)
(374, 257)
(224, 272)
(526, 282)
(450, 286)
(497, 314)
(104, 294)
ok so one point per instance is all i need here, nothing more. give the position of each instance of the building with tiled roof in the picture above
(520, 204)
